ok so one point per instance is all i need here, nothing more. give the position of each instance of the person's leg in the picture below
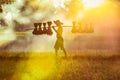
(56, 48)
(56, 51)
(64, 51)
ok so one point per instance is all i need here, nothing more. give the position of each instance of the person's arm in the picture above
(54, 29)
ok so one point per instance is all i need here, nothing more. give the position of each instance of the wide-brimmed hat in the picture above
(58, 22)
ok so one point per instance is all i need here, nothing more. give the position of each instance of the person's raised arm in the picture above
(54, 29)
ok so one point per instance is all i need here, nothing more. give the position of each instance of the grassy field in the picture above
(46, 66)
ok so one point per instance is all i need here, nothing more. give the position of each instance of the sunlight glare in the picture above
(92, 3)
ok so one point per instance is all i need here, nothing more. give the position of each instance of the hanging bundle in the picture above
(74, 30)
(49, 30)
(82, 27)
(35, 31)
(40, 28)
(44, 28)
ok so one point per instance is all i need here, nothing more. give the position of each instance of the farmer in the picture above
(59, 44)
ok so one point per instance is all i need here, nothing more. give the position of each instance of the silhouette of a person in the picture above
(60, 41)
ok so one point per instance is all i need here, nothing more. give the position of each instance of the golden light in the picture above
(92, 3)
(80, 14)
(40, 66)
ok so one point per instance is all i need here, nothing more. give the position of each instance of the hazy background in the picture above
(19, 16)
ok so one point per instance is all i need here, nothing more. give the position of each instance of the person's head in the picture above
(58, 23)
